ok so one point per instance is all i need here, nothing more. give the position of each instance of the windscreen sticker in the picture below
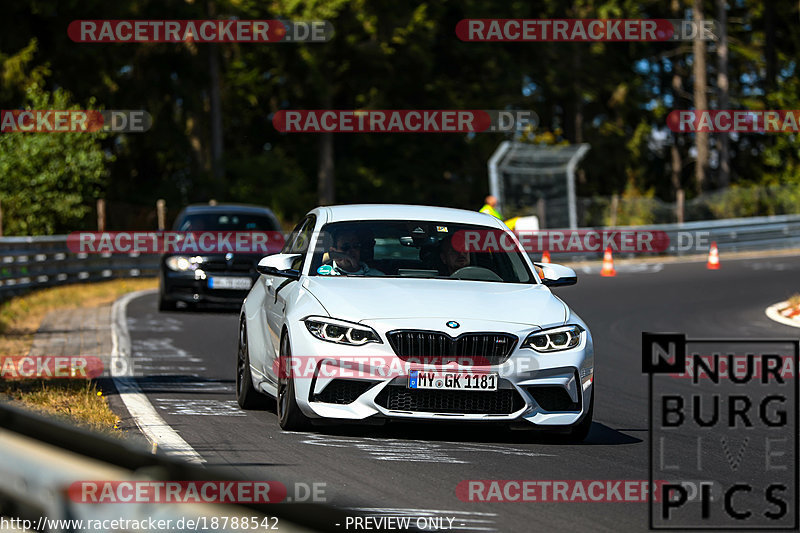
(325, 270)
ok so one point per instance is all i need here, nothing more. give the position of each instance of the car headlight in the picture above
(340, 331)
(182, 263)
(554, 340)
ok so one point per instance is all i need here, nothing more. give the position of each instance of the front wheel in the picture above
(290, 417)
(166, 305)
(246, 394)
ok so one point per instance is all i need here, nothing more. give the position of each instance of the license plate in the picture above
(228, 282)
(420, 379)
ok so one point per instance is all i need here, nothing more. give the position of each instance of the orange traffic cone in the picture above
(713, 257)
(545, 257)
(608, 264)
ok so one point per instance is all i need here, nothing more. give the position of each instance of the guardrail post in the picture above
(101, 214)
(540, 212)
(161, 212)
(614, 208)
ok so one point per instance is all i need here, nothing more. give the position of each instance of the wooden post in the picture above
(679, 205)
(614, 208)
(161, 213)
(540, 212)
(101, 214)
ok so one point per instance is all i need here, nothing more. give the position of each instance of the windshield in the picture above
(413, 249)
(225, 221)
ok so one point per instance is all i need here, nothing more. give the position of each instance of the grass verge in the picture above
(78, 401)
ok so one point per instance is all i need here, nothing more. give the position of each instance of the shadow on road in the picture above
(174, 384)
(600, 434)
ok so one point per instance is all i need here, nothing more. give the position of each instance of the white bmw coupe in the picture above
(376, 312)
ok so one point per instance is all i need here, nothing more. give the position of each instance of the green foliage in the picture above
(48, 180)
(384, 55)
(749, 201)
(636, 207)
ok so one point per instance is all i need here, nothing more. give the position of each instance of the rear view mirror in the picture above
(557, 275)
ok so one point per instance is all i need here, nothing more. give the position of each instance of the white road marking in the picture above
(144, 414)
(773, 313)
(187, 386)
(200, 407)
(162, 323)
(416, 451)
(174, 369)
(771, 266)
(636, 268)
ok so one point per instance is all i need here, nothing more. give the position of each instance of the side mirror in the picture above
(279, 265)
(557, 275)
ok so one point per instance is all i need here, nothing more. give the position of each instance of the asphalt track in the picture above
(402, 470)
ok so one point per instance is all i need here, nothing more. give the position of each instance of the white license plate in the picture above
(229, 282)
(420, 379)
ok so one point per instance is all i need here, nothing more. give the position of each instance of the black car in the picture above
(224, 275)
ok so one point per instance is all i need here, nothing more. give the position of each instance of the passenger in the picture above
(346, 254)
(453, 259)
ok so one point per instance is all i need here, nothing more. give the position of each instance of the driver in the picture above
(346, 254)
(453, 259)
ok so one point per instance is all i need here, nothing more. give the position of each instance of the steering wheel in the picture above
(476, 273)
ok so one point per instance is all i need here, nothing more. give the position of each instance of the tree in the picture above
(48, 181)
(700, 100)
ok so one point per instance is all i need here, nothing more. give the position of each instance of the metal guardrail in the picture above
(42, 456)
(34, 262)
(731, 235)
(739, 234)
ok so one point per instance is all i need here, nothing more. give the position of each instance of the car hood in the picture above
(359, 299)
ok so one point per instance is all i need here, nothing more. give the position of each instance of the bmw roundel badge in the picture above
(453, 324)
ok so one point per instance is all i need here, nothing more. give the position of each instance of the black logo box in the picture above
(675, 344)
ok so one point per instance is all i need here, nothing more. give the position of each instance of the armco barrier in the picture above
(731, 235)
(43, 456)
(33, 262)
(738, 234)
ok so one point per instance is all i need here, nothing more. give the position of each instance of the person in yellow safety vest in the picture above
(489, 207)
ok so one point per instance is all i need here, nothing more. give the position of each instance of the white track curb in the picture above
(773, 313)
(147, 418)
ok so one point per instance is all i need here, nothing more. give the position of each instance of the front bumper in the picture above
(356, 383)
(186, 287)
